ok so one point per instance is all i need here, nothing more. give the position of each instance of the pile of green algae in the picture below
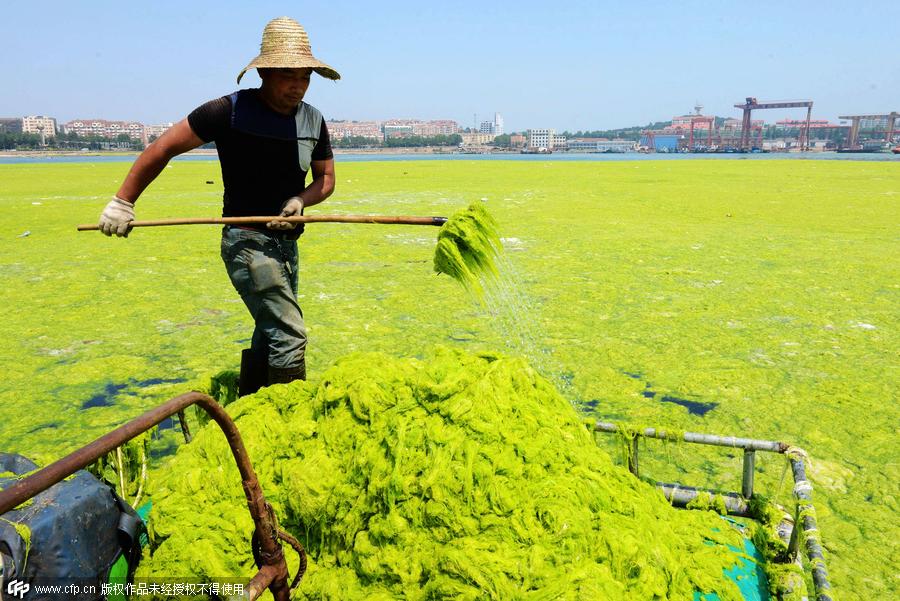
(454, 476)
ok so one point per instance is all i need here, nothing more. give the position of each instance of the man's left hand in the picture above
(292, 208)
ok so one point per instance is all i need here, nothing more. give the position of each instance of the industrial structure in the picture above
(697, 132)
(889, 129)
(752, 104)
(703, 133)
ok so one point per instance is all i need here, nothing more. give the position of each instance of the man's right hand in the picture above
(116, 217)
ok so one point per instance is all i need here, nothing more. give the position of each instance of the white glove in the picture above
(116, 216)
(293, 207)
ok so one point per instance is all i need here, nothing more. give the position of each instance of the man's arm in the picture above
(322, 184)
(318, 190)
(176, 140)
(119, 212)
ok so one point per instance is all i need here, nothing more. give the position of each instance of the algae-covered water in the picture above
(751, 298)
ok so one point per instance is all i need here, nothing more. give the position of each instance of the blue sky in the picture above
(570, 65)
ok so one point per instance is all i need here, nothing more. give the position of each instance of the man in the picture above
(267, 140)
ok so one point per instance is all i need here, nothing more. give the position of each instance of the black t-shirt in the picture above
(260, 168)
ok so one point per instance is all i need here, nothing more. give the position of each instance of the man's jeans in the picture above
(263, 269)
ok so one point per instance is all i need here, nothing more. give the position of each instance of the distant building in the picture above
(684, 122)
(38, 124)
(441, 127)
(540, 138)
(413, 127)
(544, 138)
(397, 130)
(155, 131)
(601, 145)
(105, 129)
(357, 129)
(662, 142)
(492, 127)
(732, 123)
(880, 123)
(801, 123)
(11, 125)
(517, 140)
(476, 138)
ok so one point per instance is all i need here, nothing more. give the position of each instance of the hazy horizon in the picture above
(573, 66)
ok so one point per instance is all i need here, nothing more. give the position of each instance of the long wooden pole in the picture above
(386, 219)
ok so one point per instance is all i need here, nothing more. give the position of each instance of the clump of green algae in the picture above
(467, 247)
(459, 476)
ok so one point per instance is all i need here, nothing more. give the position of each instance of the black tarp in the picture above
(77, 531)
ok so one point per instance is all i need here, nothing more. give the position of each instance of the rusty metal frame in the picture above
(738, 503)
(273, 572)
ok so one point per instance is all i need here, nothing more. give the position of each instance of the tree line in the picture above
(66, 141)
(399, 142)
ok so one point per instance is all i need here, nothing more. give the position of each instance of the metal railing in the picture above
(738, 504)
(267, 550)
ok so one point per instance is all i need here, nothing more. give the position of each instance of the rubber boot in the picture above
(282, 375)
(254, 373)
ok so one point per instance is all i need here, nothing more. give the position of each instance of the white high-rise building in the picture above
(494, 127)
(498, 124)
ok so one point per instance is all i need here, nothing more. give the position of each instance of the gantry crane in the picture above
(752, 104)
(853, 138)
(710, 125)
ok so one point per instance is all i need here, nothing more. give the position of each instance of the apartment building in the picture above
(476, 138)
(397, 130)
(359, 129)
(155, 131)
(38, 124)
(105, 129)
(414, 127)
(439, 127)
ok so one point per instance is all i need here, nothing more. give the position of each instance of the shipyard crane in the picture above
(752, 104)
(853, 138)
(709, 122)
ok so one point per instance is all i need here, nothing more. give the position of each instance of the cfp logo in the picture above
(17, 588)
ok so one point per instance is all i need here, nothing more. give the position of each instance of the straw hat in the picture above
(286, 45)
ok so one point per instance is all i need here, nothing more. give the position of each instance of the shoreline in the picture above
(212, 152)
(442, 153)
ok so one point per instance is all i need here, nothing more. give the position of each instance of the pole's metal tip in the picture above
(439, 220)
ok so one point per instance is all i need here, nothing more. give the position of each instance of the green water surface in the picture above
(761, 295)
